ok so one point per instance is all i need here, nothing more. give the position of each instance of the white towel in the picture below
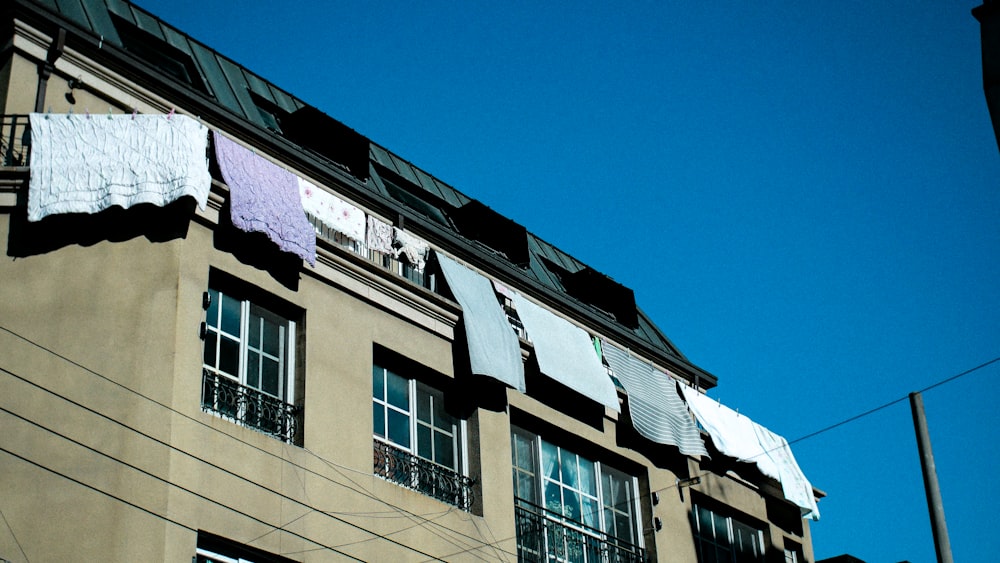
(85, 164)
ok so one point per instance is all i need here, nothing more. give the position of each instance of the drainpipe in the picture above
(45, 68)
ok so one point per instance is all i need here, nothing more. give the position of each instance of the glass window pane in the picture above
(398, 391)
(523, 453)
(553, 498)
(378, 419)
(271, 377)
(588, 479)
(231, 315)
(721, 530)
(212, 315)
(571, 504)
(550, 461)
(569, 470)
(424, 448)
(444, 450)
(526, 487)
(442, 419)
(623, 494)
(210, 342)
(423, 406)
(253, 336)
(253, 370)
(399, 429)
(378, 383)
(272, 337)
(591, 511)
(623, 528)
(229, 356)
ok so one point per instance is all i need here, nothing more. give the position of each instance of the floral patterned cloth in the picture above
(379, 237)
(332, 211)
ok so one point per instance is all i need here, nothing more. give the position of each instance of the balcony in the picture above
(421, 475)
(545, 536)
(249, 407)
(14, 140)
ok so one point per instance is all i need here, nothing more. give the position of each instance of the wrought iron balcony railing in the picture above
(249, 407)
(422, 475)
(544, 536)
(15, 140)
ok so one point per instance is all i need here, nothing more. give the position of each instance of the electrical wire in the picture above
(13, 535)
(484, 544)
(327, 462)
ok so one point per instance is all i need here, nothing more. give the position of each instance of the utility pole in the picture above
(934, 504)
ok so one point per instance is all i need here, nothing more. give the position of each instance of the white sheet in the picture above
(565, 353)
(85, 164)
(494, 349)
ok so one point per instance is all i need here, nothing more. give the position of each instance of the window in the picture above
(216, 549)
(248, 365)
(793, 552)
(418, 444)
(570, 508)
(723, 539)
(155, 51)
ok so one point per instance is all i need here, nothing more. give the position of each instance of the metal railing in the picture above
(423, 475)
(15, 140)
(545, 536)
(249, 407)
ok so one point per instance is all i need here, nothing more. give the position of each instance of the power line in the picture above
(409, 514)
(13, 535)
(482, 544)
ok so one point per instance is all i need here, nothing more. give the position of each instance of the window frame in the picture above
(600, 469)
(415, 391)
(247, 310)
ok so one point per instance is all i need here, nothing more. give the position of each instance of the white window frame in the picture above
(599, 470)
(416, 390)
(286, 353)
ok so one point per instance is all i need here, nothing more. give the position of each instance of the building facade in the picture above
(235, 329)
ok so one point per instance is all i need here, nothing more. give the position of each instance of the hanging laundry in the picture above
(379, 236)
(658, 413)
(412, 247)
(263, 197)
(740, 437)
(566, 354)
(331, 211)
(494, 349)
(85, 164)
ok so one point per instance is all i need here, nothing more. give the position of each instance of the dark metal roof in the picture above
(149, 50)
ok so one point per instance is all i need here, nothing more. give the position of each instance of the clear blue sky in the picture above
(803, 195)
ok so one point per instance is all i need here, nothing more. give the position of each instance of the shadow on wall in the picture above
(115, 224)
(256, 250)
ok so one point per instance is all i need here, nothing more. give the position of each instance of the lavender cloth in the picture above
(264, 197)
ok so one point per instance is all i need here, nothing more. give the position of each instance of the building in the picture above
(989, 38)
(235, 329)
